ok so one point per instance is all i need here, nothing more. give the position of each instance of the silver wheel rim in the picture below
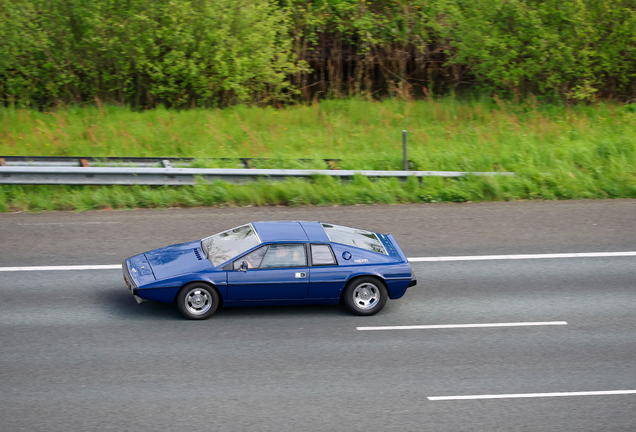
(198, 301)
(366, 296)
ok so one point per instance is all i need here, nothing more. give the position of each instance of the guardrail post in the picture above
(406, 160)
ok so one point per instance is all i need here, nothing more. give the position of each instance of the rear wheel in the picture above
(365, 296)
(197, 301)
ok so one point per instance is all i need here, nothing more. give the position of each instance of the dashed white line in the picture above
(451, 326)
(55, 268)
(533, 395)
(523, 256)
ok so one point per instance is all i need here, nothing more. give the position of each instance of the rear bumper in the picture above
(412, 283)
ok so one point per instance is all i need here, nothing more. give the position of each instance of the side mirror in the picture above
(243, 266)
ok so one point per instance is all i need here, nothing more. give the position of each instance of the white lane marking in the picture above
(77, 267)
(67, 223)
(533, 395)
(415, 259)
(523, 256)
(448, 326)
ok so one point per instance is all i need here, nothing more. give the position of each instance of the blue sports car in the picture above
(273, 263)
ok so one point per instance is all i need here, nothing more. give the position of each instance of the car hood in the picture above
(177, 259)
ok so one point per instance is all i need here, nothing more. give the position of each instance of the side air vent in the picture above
(196, 252)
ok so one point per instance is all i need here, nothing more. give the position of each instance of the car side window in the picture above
(284, 255)
(253, 259)
(322, 255)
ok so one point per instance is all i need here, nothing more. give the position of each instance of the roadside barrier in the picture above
(86, 175)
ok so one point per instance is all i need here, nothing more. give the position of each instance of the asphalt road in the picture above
(77, 353)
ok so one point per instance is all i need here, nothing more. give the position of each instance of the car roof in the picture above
(290, 231)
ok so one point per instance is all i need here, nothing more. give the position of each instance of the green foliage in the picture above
(569, 49)
(185, 53)
(3, 201)
(573, 51)
(143, 52)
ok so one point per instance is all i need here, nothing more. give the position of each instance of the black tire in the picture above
(197, 301)
(365, 296)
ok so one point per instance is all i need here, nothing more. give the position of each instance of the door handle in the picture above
(301, 274)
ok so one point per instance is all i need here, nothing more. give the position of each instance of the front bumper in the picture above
(130, 283)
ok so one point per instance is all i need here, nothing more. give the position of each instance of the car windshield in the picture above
(224, 246)
(354, 237)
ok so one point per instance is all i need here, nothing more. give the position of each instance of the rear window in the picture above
(224, 246)
(354, 237)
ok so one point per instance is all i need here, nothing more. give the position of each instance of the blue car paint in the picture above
(388, 245)
(163, 295)
(397, 248)
(395, 272)
(361, 256)
(315, 232)
(327, 281)
(286, 302)
(177, 259)
(216, 277)
(397, 288)
(268, 284)
(140, 270)
(176, 265)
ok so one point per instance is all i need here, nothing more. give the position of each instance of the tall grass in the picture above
(558, 151)
(319, 190)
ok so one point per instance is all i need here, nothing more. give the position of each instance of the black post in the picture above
(406, 161)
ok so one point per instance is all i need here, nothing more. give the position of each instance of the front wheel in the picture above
(197, 301)
(365, 296)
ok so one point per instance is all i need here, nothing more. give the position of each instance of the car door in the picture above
(271, 272)
(327, 278)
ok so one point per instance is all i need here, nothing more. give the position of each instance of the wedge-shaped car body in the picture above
(273, 263)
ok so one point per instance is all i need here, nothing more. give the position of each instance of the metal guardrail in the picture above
(188, 176)
(166, 162)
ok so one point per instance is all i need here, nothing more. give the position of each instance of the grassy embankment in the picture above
(559, 152)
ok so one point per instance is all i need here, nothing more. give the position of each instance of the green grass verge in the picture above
(319, 190)
(559, 152)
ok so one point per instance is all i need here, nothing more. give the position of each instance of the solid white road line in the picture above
(533, 395)
(525, 256)
(449, 326)
(415, 259)
(47, 268)
(67, 223)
